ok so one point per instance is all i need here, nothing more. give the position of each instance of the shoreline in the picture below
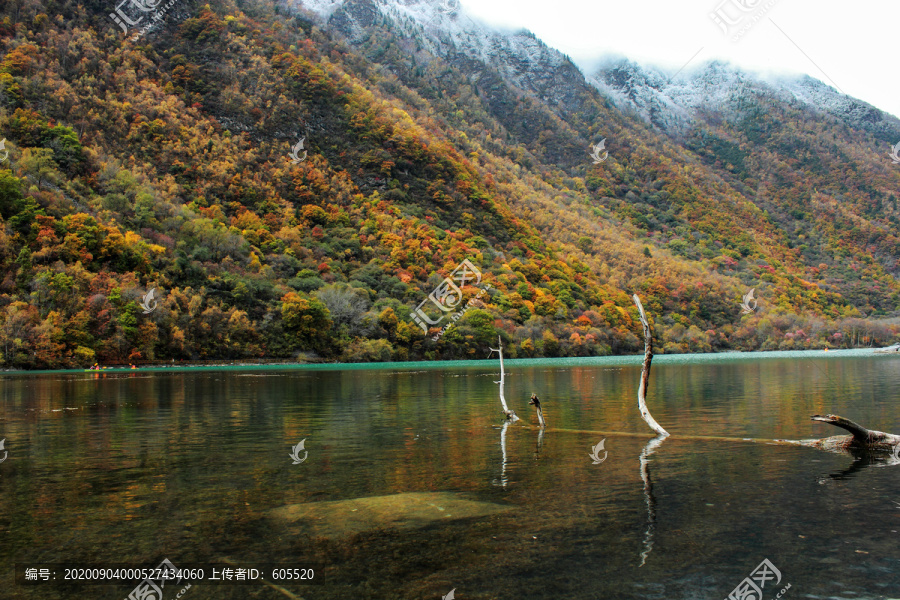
(618, 360)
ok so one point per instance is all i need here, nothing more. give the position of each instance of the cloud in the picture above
(839, 43)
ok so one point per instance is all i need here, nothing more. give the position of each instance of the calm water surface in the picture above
(191, 464)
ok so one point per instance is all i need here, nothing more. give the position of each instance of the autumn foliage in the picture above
(163, 163)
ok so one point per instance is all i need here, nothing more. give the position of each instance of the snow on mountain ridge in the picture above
(444, 29)
(671, 104)
(323, 8)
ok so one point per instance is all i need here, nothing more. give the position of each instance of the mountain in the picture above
(716, 114)
(293, 181)
(672, 104)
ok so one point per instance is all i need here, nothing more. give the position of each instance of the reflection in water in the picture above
(195, 463)
(503, 479)
(863, 459)
(649, 449)
(540, 443)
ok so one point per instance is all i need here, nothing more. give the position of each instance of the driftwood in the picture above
(859, 443)
(645, 371)
(536, 402)
(867, 447)
(511, 415)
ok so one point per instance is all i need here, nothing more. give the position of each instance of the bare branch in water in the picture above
(645, 371)
(536, 402)
(511, 415)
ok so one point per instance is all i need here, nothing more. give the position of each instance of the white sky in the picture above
(852, 46)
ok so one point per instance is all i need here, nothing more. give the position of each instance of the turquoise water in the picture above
(193, 464)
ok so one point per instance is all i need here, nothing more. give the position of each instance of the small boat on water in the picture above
(895, 349)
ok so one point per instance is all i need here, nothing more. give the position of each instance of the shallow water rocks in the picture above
(341, 518)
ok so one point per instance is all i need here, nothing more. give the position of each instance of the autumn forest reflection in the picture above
(194, 465)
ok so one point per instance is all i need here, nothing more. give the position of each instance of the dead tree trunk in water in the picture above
(536, 402)
(866, 446)
(645, 371)
(511, 415)
(860, 438)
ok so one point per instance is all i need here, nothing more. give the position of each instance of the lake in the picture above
(410, 486)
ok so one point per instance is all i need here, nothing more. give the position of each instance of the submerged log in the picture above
(867, 447)
(860, 438)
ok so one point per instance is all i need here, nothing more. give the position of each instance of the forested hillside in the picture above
(163, 162)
